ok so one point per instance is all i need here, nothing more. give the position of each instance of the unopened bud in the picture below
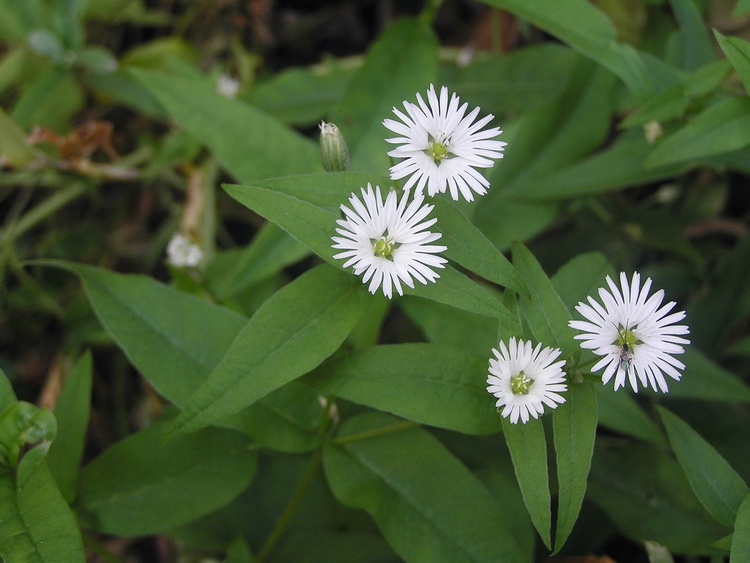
(333, 149)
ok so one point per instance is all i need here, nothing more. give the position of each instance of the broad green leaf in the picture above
(723, 127)
(618, 166)
(528, 449)
(719, 488)
(13, 146)
(7, 396)
(429, 383)
(582, 26)
(511, 82)
(621, 413)
(285, 420)
(307, 208)
(303, 96)
(144, 485)
(72, 413)
(174, 339)
(67, 20)
(644, 493)
(291, 333)
(49, 100)
(36, 524)
(271, 250)
(426, 503)
(574, 423)
(705, 380)
(402, 62)
(581, 276)
(695, 48)
(737, 51)
(740, 550)
(250, 144)
(468, 246)
(544, 310)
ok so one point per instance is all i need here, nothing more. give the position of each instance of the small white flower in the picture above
(441, 146)
(652, 131)
(524, 379)
(633, 333)
(182, 253)
(227, 86)
(388, 242)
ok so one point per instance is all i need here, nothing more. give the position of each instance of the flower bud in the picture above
(333, 150)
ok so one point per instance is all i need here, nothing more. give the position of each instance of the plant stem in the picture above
(383, 430)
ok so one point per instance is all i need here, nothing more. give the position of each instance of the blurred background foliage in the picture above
(102, 163)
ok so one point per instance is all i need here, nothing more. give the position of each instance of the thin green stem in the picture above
(375, 432)
(291, 508)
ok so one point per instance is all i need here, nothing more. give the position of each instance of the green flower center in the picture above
(520, 384)
(626, 339)
(438, 151)
(384, 246)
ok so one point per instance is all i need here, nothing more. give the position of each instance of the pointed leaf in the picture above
(247, 142)
(144, 485)
(402, 62)
(172, 338)
(528, 449)
(737, 51)
(291, 333)
(574, 424)
(740, 550)
(719, 488)
(72, 413)
(429, 383)
(723, 127)
(426, 503)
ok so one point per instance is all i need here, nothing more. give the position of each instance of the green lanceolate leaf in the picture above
(428, 506)
(402, 62)
(621, 413)
(36, 523)
(737, 51)
(719, 487)
(72, 413)
(247, 142)
(307, 207)
(740, 550)
(588, 31)
(174, 339)
(429, 383)
(723, 127)
(528, 449)
(544, 310)
(144, 485)
(291, 333)
(574, 423)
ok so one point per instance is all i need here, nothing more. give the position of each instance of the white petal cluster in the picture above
(634, 333)
(524, 379)
(387, 242)
(182, 253)
(441, 146)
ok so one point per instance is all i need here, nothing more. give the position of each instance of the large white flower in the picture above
(524, 379)
(388, 243)
(633, 333)
(441, 146)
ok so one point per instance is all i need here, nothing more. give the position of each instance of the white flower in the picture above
(633, 333)
(524, 379)
(227, 86)
(441, 146)
(388, 242)
(182, 253)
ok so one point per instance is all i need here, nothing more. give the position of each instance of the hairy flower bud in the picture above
(333, 150)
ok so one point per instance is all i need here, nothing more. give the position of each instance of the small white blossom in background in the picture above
(652, 131)
(387, 242)
(333, 150)
(181, 253)
(442, 146)
(227, 86)
(524, 379)
(633, 333)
